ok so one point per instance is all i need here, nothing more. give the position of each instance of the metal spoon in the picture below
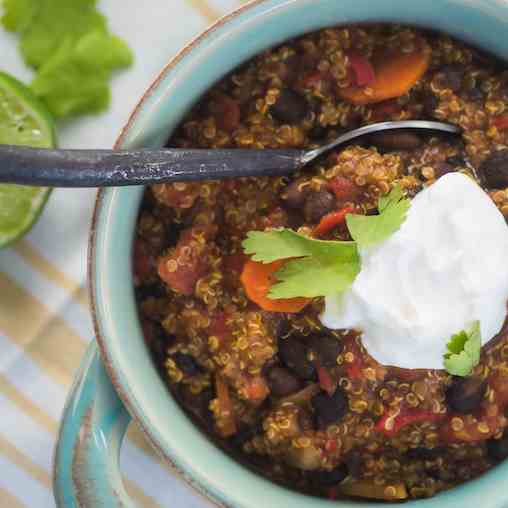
(108, 168)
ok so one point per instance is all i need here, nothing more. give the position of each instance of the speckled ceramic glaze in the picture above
(86, 465)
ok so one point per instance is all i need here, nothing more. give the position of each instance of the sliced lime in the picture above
(23, 121)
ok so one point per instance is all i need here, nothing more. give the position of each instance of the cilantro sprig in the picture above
(69, 45)
(463, 351)
(319, 267)
(322, 267)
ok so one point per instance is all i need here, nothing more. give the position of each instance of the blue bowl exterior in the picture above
(256, 27)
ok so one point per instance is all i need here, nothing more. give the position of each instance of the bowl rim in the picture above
(200, 486)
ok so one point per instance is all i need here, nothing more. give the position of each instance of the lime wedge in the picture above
(23, 121)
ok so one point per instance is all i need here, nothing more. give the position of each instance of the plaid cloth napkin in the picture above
(44, 319)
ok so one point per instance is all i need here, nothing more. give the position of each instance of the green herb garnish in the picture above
(70, 47)
(463, 351)
(324, 267)
(370, 230)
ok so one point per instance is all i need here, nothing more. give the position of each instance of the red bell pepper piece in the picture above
(326, 381)
(390, 423)
(363, 70)
(331, 221)
(501, 122)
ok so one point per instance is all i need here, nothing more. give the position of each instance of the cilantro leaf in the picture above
(311, 277)
(322, 268)
(463, 351)
(370, 230)
(18, 14)
(269, 246)
(76, 79)
(51, 23)
(69, 44)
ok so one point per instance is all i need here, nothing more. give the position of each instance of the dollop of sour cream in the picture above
(446, 267)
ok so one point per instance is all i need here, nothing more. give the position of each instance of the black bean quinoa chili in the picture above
(306, 406)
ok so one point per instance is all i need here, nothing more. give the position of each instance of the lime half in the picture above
(23, 121)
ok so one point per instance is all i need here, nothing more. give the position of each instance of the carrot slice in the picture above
(258, 278)
(395, 73)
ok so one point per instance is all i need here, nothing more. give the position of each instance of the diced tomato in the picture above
(142, 260)
(257, 389)
(501, 122)
(330, 221)
(344, 189)
(331, 446)
(187, 263)
(353, 371)
(391, 422)
(362, 68)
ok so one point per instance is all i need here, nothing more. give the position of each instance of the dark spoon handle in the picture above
(107, 168)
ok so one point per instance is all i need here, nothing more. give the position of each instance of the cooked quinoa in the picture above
(375, 431)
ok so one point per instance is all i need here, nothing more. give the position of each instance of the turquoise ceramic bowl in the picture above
(86, 472)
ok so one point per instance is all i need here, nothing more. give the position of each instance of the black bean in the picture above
(159, 342)
(430, 104)
(424, 453)
(442, 168)
(290, 107)
(494, 169)
(476, 93)
(294, 195)
(293, 355)
(318, 204)
(173, 233)
(451, 76)
(318, 132)
(198, 404)
(246, 433)
(465, 393)
(282, 382)
(276, 322)
(186, 363)
(354, 463)
(305, 420)
(326, 348)
(396, 140)
(155, 290)
(329, 409)
(329, 478)
(456, 161)
(497, 449)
